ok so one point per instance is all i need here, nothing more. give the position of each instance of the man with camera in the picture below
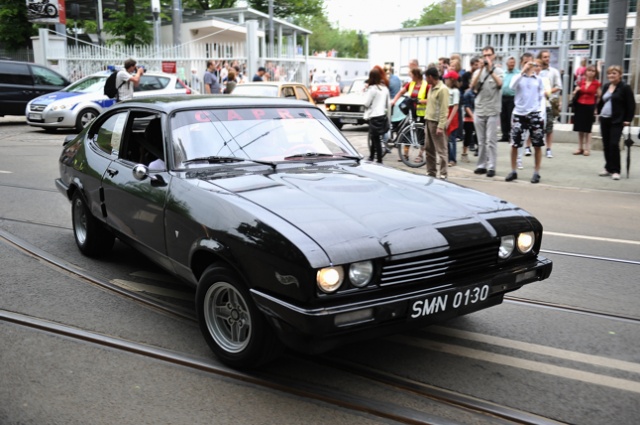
(486, 83)
(125, 77)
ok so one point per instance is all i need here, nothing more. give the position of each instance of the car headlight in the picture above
(360, 274)
(331, 107)
(526, 240)
(507, 244)
(329, 279)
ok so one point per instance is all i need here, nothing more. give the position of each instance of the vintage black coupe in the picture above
(288, 235)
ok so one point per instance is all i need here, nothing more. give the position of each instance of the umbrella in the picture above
(628, 143)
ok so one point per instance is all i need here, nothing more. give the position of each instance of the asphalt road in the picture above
(568, 366)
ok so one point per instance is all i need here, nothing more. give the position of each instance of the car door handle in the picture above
(112, 172)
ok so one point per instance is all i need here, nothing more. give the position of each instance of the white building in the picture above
(511, 27)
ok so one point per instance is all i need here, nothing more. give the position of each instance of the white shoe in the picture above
(604, 173)
(519, 162)
(549, 155)
(527, 151)
(615, 176)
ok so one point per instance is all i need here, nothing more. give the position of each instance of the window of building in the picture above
(525, 12)
(553, 8)
(602, 6)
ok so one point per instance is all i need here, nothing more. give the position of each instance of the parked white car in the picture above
(79, 103)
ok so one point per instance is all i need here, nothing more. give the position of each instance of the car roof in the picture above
(270, 83)
(106, 73)
(171, 103)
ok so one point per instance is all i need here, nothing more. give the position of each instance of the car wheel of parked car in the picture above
(232, 325)
(85, 117)
(91, 237)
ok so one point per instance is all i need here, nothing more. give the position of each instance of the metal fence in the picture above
(24, 55)
(87, 59)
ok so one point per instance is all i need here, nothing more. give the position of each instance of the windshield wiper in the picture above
(322, 155)
(227, 159)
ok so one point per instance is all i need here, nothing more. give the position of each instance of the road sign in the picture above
(579, 49)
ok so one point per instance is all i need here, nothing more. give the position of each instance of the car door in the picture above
(135, 208)
(46, 80)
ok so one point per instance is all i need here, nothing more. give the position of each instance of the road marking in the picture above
(538, 349)
(6, 172)
(592, 238)
(534, 366)
(152, 289)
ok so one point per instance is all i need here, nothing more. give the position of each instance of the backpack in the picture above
(110, 89)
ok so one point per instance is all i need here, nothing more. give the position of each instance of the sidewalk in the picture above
(563, 170)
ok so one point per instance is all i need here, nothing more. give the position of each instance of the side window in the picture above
(15, 73)
(46, 77)
(302, 95)
(287, 91)
(109, 135)
(152, 83)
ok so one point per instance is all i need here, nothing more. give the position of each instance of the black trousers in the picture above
(505, 116)
(611, 134)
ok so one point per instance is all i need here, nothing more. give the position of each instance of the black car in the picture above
(22, 81)
(287, 234)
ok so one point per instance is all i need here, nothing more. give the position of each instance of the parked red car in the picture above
(323, 87)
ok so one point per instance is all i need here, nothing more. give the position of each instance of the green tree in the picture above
(128, 23)
(445, 11)
(208, 4)
(290, 8)
(348, 43)
(15, 29)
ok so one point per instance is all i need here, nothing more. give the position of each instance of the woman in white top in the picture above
(377, 112)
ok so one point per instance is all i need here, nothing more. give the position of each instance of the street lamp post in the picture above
(155, 10)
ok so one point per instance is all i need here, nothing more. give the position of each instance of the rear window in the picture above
(15, 73)
(148, 82)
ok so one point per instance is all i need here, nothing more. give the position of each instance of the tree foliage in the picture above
(445, 11)
(129, 22)
(348, 43)
(15, 29)
(290, 8)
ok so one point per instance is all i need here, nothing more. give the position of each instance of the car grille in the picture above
(349, 108)
(37, 108)
(447, 264)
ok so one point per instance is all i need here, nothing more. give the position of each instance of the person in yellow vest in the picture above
(417, 90)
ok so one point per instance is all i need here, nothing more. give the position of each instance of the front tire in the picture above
(91, 237)
(411, 146)
(84, 118)
(232, 325)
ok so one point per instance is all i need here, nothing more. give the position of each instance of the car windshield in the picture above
(358, 86)
(204, 136)
(255, 90)
(87, 85)
(322, 79)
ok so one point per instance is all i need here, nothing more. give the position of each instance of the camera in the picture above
(486, 62)
(143, 69)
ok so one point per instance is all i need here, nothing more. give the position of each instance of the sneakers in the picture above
(604, 173)
(535, 178)
(491, 173)
(527, 151)
(549, 154)
(512, 176)
(519, 164)
(480, 171)
(615, 176)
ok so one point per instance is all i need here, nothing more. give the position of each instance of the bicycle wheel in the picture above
(411, 146)
(384, 145)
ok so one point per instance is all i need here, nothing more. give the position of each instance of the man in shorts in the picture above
(529, 100)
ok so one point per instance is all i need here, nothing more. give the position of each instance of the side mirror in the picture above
(140, 172)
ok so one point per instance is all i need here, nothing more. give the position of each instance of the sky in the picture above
(373, 15)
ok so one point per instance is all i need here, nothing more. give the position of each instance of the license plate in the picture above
(35, 116)
(453, 300)
(349, 120)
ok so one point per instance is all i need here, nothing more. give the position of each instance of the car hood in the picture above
(347, 99)
(73, 98)
(367, 211)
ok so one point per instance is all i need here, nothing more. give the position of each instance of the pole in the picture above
(458, 33)
(100, 22)
(616, 33)
(177, 22)
(539, 33)
(271, 35)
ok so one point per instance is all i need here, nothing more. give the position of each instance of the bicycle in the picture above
(409, 137)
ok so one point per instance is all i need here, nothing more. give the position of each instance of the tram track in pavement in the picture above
(400, 414)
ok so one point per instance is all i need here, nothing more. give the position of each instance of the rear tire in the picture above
(235, 330)
(92, 238)
(412, 155)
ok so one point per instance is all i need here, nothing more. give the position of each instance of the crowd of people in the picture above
(520, 96)
(221, 77)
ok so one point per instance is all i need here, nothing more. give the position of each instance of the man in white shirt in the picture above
(527, 117)
(127, 79)
(555, 82)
